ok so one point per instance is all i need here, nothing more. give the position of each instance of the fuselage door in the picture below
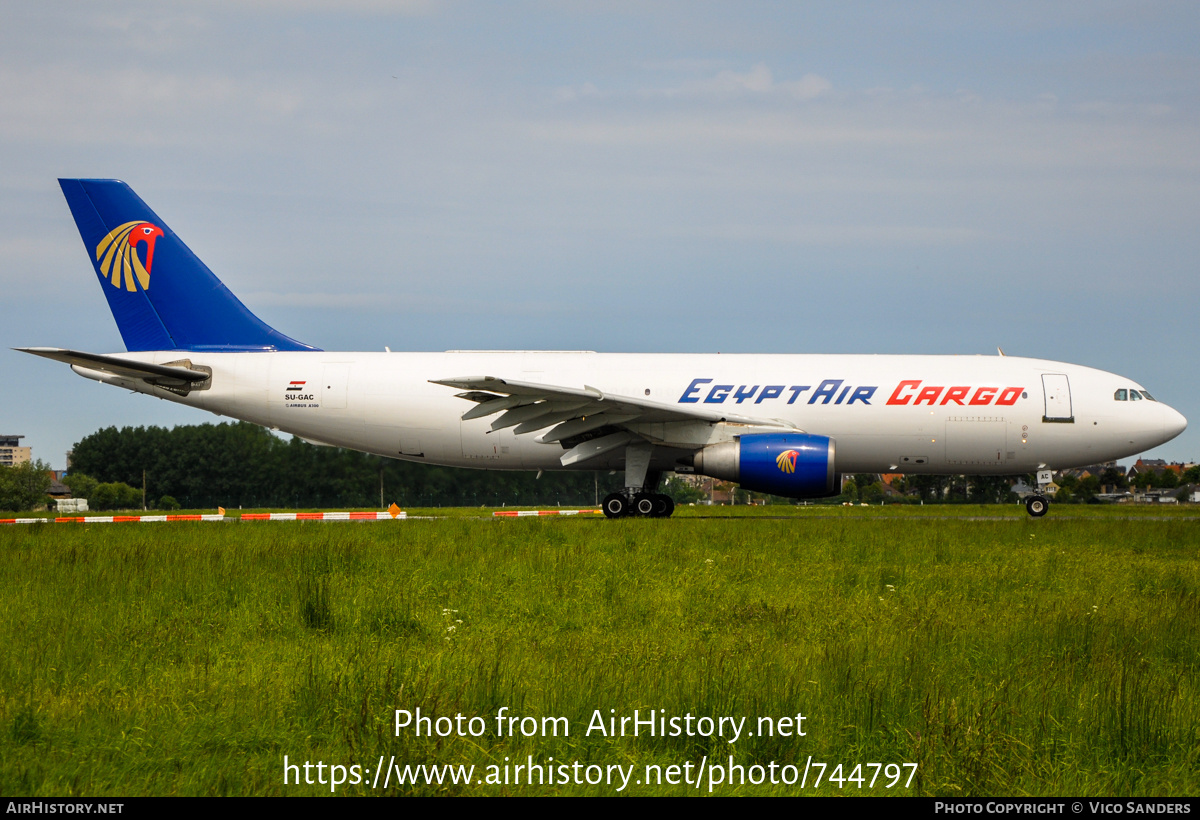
(1058, 398)
(336, 384)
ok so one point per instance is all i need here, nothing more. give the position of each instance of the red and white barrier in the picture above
(389, 515)
(517, 513)
(325, 516)
(112, 519)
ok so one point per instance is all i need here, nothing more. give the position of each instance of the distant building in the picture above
(11, 453)
(1155, 496)
(715, 490)
(1153, 465)
(1097, 470)
(1022, 490)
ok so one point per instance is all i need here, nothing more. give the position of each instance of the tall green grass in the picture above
(1049, 657)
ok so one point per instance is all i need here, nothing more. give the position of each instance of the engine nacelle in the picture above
(794, 465)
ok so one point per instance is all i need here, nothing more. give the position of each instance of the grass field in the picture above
(1001, 655)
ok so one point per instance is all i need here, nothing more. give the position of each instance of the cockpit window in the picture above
(1121, 395)
(1135, 395)
(1147, 395)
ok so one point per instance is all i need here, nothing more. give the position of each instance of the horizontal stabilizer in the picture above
(167, 375)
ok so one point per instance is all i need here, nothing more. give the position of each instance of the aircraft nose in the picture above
(1173, 423)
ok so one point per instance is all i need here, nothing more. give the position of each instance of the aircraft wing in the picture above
(571, 412)
(163, 375)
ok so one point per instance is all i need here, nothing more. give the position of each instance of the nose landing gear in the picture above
(1038, 505)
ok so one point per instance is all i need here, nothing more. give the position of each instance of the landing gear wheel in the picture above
(615, 506)
(644, 504)
(663, 506)
(1037, 505)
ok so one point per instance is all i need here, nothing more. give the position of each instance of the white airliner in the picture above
(781, 424)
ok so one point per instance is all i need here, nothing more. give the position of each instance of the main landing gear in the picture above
(643, 505)
(638, 498)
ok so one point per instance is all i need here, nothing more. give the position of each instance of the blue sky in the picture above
(742, 177)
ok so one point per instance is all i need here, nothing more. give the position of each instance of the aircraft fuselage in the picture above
(910, 414)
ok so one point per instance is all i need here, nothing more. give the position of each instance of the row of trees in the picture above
(866, 488)
(244, 465)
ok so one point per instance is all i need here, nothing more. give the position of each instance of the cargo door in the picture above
(481, 448)
(972, 440)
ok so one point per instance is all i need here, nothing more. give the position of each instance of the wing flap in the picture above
(551, 411)
(493, 405)
(577, 427)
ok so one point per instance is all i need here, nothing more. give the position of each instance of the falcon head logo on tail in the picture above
(188, 308)
(119, 250)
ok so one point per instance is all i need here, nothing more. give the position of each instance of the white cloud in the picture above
(403, 303)
(925, 134)
(69, 104)
(842, 235)
(572, 93)
(807, 87)
(758, 81)
(378, 7)
(687, 65)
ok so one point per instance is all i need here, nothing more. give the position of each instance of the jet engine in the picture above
(794, 465)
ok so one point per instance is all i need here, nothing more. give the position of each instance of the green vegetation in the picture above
(244, 465)
(24, 486)
(100, 497)
(1005, 656)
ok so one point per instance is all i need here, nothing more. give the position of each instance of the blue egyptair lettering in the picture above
(718, 394)
(862, 394)
(796, 391)
(771, 391)
(694, 387)
(826, 390)
(741, 394)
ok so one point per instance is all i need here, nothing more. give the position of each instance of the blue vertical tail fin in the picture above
(161, 295)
